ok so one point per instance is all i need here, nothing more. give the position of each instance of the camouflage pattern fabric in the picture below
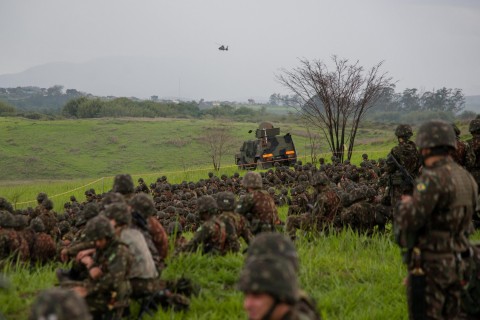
(473, 166)
(112, 290)
(215, 236)
(260, 210)
(59, 304)
(439, 219)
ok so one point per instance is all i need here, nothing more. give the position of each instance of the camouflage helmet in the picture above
(5, 205)
(112, 197)
(474, 126)
(123, 184)
(118, 212)
(143, 204)
(271, 190)
(37, 225)
(99, 227)
(59, 304)
(174, 228)
(226, 201)
(436, 133)
(252, 180)
(6, 219)
(64, 227)
(73, 199)
(41, 196)
(274, 243)
(47, 204)
(270, 275)
(365, 156)
(403, 131)
(90, 210)
(456, 129)
(20, 221)
(207, 204)
(320, 179)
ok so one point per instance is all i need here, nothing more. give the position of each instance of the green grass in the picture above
(350, 276)
(65, 157)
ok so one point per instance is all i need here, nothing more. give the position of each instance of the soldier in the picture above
(213, 233)
(175, 231)
(473, 166)
(277, 244)
(257, 205)
(463, 155)
(433, 225)
(143, 271)
(143, 211)
(270, 288)
(123, 184)
(59, 304)
(11, 243)
(226, 204)
(107, 288)
(43, 249)
(402, 164)
(142, 186)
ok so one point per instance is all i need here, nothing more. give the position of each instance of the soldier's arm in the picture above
(413, 213)
(118, 264)
(245, 232)
(73, 250)
(199, 238)
(159, 236)
(245, 205)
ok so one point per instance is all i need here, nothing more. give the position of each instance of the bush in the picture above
(6, 109)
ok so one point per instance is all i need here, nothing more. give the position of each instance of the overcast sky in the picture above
(425, 43)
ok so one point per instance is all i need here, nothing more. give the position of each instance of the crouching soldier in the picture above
(107, 289)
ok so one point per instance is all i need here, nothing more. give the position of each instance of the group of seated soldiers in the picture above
(118, 244)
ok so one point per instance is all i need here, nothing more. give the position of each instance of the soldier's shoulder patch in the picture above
(421, 187)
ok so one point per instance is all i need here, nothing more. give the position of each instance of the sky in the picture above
(425, 44)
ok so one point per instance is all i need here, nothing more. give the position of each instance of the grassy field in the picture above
(351, 276)
(64, 157)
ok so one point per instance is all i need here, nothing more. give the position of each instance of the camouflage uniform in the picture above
(325, 209)
(109, 293)
(407, 156)
(434, 226)
(463, 154)
(215, 235)
(226, 204)
(270, 275)
(473, 165)
(143, 271)
(43, 249)
(143, 220)
(276, 244)
(257, 206)
(11, 244)
(59, 304)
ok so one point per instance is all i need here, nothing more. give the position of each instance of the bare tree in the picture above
(218, 141)
(335, 101)
(313, 139)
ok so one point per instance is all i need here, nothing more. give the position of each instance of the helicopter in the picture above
(223, 48)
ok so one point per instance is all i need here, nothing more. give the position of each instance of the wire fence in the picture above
(186, 171)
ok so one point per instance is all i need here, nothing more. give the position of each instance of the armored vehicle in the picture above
(268, 148)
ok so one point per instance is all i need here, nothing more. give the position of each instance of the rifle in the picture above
(406, 174)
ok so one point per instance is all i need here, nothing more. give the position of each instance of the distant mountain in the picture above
(176, 76)
(472, 103)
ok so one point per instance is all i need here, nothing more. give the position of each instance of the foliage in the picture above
(6, 109)
(411, 100)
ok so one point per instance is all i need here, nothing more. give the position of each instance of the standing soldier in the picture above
(433, 225)
(463, 154)
(257, 205)
(474, 164)
(402, 164)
